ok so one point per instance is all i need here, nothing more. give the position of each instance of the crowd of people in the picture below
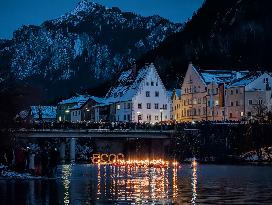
(41, 161)
(169, 125)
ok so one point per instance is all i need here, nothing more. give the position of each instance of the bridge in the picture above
(154, 142)
(94, 133)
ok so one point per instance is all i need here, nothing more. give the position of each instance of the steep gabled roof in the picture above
(127, 85)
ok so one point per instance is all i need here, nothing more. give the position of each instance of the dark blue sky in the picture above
(14, 13)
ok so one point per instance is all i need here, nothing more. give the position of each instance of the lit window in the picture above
(118, 107)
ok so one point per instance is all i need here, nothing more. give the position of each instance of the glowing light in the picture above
(194, 181)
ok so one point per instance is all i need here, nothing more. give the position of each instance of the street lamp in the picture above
(161, 110)
(138, 114)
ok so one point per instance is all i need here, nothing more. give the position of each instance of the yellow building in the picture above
(203, 94)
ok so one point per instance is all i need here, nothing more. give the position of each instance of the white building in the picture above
(249, 96)
(139, 96)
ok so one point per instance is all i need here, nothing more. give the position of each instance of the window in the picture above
(231, 92)
(230, 115)
(237, 103)
(157, 106)
(250, 102)
(237, 91)
(147, 93)
(164, 106)
(156, 83)
(148, 118)
(147, 83)
(139, 105)
(242, 114)
(157, 93)
(128, 105)
(118, 107)
(139, 117)
(231, 103)
(125, 117)
(148, 105)
(152, 83)
(156, 117)
(260, 102)
(128, 117)
(79, 112)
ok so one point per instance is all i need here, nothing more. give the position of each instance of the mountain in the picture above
(225, 34)
(83, 49)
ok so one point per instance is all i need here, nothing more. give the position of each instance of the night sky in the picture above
(15, 13)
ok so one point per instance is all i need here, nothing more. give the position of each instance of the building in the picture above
(38, 113)
(203, 94)
(249, 96)
(219, 95)
(138, 96)
(176, 105)
(78, 108)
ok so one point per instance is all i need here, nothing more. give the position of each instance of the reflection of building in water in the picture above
(136, 184)
(194, 182)
(66, 174)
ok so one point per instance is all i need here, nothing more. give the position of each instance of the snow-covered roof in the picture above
(178, 92)
(127, 85)
(246, 79)
(23, 114)
(221, 76)
(169, 93)
(48, 112)
(75, 99)
(80, 100)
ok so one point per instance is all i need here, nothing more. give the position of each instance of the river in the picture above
(107, 184)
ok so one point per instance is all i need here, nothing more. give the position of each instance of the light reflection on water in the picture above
(135, 184)
(107, 184)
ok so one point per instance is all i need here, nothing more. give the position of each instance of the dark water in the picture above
(92, 184)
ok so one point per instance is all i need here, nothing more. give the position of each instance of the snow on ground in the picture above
(266, 155)
(16, 175)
